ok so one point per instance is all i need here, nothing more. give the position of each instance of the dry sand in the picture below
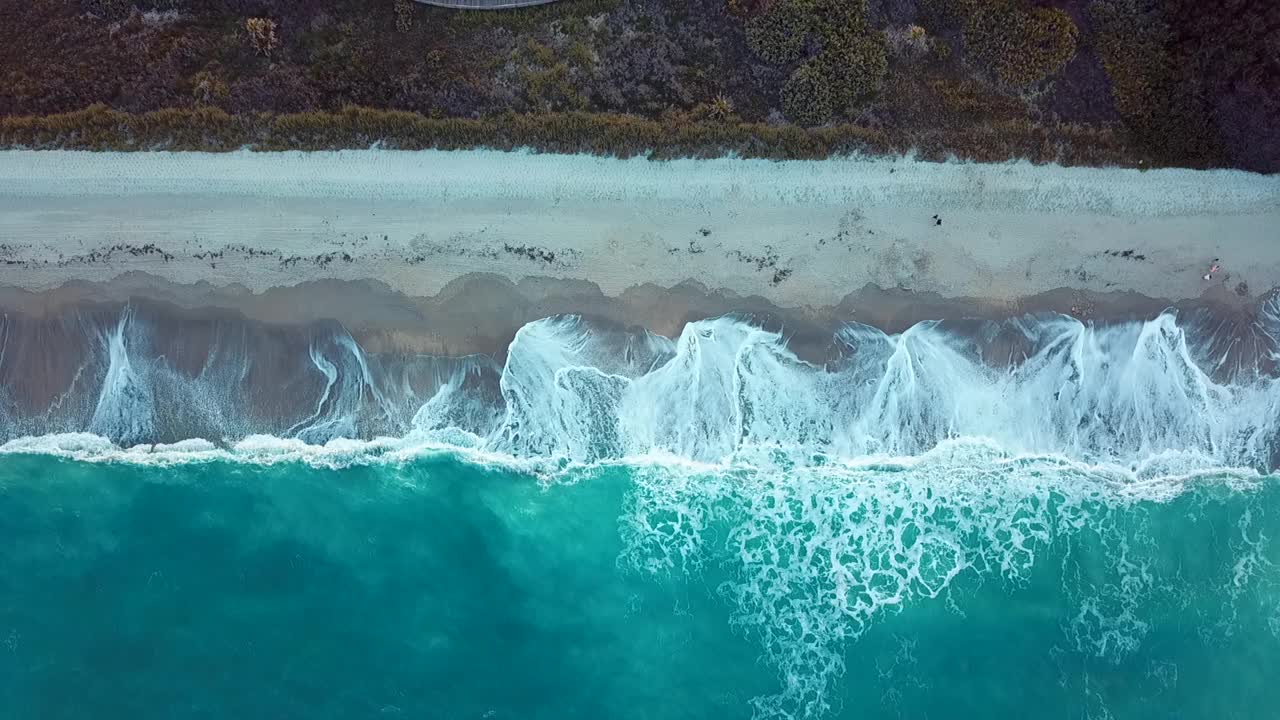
(796, 234)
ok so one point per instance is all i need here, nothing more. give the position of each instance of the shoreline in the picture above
(142, 371)
(168, 296)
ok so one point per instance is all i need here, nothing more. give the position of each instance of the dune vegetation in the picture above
(1130, 82)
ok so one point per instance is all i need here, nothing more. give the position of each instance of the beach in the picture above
(798, 234)
(638, 439)
(639, 360)
(450, 254)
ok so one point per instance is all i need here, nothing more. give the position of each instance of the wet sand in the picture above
(225, 361)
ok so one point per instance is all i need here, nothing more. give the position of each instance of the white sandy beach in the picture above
(796, 233)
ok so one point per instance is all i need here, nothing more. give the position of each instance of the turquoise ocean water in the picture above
(447, 588)
(650, 529)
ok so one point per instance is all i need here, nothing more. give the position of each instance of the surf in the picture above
(570, 390)
(815, 499)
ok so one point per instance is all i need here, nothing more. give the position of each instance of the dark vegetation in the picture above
(1134, 82)
(674, 135)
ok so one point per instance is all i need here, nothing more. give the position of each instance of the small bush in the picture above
(835, 17)
(1162, 110)
(780, 35)
(404, 15)
(908, 43)
(1021, 45)
(720, 109)
(208, 88)
(855, 66)
(808, 98)
(262, 35)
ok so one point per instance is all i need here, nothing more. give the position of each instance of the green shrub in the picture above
(834, 17)
(855, 65)
(848, 71)
(1161, 108)
(1133, 53)
(780, 35)
(1020, 45)
(808, 97)
(849, 68)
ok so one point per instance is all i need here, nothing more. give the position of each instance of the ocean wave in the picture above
(574, 392)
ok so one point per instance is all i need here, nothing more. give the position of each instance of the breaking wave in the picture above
(726, 388)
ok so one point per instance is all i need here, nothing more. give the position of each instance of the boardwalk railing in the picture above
(485, 4)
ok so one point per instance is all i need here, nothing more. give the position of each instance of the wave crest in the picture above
(570, 391)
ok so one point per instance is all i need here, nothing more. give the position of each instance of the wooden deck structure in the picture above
(484, 4)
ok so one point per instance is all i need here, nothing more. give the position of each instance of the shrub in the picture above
(1132, 51)
(210, 129)
(907, 43)
(208, 88)
(780, 35)
(404, 15)
(1228, 57)
(807, 98)
(262, 35)
(834, 17)
(720, 109)
(581, 55)
(1021, 45)
(855, 67)
(548, 83)
(1161, 108)
(968, 101)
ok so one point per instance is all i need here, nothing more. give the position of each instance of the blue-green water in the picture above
(963, 584)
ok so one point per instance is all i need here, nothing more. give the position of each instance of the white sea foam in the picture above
(820, 554)
(727, 392)
(125, 404)
(1121, 394)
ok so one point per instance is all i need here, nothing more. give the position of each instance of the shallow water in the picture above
(982, 519)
